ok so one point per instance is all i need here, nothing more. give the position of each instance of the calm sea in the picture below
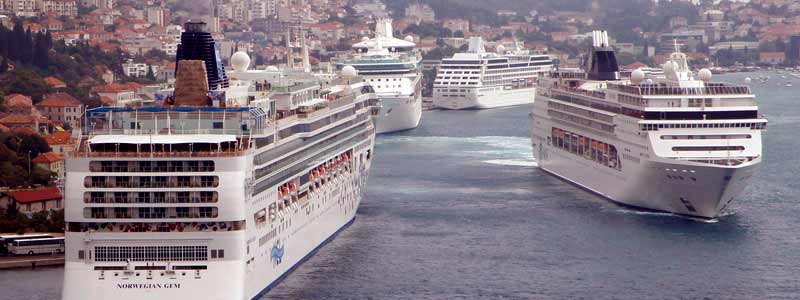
(457, 209)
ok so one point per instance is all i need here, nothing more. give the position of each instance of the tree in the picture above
(150, 75)
(33, 144)
(4, 66)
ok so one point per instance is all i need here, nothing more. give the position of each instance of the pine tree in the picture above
(27, 48)
(40, 58)
(150, 74)
(4, 66)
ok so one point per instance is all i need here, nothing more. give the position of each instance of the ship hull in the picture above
(680, 187)
(264, 255)
(487, 99)
(399, 113)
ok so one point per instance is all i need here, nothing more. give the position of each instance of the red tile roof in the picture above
(116, 87)
(38, 195)
(59, 100)
(54, 82)
(58, 138)
(47, 158)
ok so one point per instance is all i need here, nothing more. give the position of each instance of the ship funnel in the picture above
(383, 28)
(476, 45)
(198, 44)
(601, 63)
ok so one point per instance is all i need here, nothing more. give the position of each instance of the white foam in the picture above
(513, 162)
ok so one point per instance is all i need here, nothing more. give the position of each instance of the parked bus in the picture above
(5, 240)
(37, 246)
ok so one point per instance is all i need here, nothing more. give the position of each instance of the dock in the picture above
(31, 262)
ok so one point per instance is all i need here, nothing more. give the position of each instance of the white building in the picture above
(22, 8)
(132, 69)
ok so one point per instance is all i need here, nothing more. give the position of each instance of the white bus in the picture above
(5, 240)
(37, 246)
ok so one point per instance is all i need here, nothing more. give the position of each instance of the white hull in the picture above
(486, 99)
(328, 210)
(644, 179)
(399, 113)
(646, 185)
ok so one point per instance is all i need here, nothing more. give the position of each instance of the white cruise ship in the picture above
(220, 192)
(394, 69)
(479, 80)
(679, 143)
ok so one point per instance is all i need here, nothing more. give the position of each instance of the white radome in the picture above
(500, 49)
(272, 68)
(409, 39)
(364, 39)
(349, 71)
(704, 75)
(240, 61)
(637, 76)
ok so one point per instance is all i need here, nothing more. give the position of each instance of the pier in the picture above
(31, 261)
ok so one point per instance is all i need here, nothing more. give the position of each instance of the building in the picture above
(118, 94)
(421, 13)
(456, 25)
(22, 8)
(101, 4)
(52, 162)
(688, 39)
(60, 142)
(793, 53)
(156, 16)
(678, 22)
(35, 200)
(132, 69)
(61, 108)
(26, 123)
(66, 8)
(55, 82)
(771, 58)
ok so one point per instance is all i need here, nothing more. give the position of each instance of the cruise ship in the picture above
(393, 67)
(678, 143)
(479, 80)
(221, 191)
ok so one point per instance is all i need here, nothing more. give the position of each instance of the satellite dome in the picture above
(637, 76)
(500, 49)
(240, 61)
(705, 75)
(272, 68)
(648, 81)
(364, 39)
(409, 39)
(349, 71)
(748, 80)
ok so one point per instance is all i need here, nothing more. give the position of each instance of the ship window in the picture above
(217, 125)
(213, 253)
(221, 253)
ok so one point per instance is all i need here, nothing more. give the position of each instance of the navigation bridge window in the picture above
(588, 148)
(151, 253)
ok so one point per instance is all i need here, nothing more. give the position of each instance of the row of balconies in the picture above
(150, 212)
(151, 181)
(148, 166)
(148, 197)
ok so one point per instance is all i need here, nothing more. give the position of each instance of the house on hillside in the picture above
(31, 201)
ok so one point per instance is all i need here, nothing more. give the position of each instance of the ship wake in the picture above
(495, 150)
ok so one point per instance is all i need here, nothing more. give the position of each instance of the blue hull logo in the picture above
(277, 253)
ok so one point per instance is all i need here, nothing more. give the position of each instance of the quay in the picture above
(31, 261)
